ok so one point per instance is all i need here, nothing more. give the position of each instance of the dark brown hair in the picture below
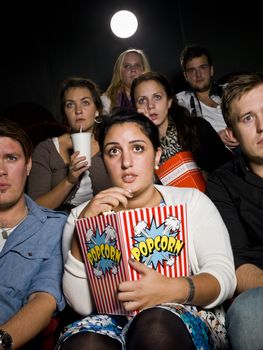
(123, 116)
(192, 51)
(11, 129)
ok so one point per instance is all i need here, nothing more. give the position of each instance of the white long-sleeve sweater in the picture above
(209, 248)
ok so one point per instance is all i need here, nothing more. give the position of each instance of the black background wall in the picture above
(44, 42)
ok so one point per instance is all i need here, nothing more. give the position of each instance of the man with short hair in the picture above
(204, 96)
(237, 190)
(30, 247)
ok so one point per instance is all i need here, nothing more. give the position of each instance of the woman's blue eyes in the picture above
(72, 104)
(146, 100)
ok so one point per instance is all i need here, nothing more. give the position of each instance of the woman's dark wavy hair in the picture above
(126, 116)
(184, 123)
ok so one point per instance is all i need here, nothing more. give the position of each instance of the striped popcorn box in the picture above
(181, 170)
(154, 236)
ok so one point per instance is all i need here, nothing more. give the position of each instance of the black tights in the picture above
(154, 328)
(90, 341)
(158, 328)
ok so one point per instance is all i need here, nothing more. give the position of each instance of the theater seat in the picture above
(43, 130)
(27, 114)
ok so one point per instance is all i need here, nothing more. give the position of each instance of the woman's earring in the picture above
(156, 167)
(98, 120)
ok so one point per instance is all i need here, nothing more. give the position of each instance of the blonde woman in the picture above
(129, 65)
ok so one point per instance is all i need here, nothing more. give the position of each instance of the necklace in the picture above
(6, 230)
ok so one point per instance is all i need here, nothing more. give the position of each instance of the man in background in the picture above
(203, 97)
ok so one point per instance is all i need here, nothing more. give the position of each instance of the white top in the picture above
(213, 115)
(2, 239)
(209, 248)
(106, 104)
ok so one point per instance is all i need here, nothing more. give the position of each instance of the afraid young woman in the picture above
(152, 95)
(175, 313)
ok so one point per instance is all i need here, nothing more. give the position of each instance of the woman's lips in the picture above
(260, 142)
(128, 178)
(153, 116)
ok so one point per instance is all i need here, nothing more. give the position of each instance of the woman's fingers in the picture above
(107, 200)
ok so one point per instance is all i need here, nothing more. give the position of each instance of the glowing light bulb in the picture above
(124, 24)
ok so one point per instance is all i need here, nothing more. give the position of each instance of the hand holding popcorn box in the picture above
(155, 236)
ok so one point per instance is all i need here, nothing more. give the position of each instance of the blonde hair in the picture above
(116, 81)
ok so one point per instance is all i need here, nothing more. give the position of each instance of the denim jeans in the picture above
(244, 320)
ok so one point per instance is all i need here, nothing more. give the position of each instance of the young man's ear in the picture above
(230, 134)
(28, 166)
(185, 76)
(212, 70)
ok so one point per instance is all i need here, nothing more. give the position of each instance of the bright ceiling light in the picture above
(124, 24)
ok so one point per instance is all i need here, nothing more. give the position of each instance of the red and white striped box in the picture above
(154, 236)
(181, 170)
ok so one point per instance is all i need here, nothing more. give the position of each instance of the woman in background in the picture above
(129, 65)
(152, 95)
(60, 178)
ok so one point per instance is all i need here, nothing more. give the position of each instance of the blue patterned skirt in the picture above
(205, 328)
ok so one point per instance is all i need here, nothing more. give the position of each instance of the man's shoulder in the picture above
(230, 168)
(43, 212)
(183, 94)
(230, 175)
(53, 213)
(184, 98)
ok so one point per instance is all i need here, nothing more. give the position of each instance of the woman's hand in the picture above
(152, 289)
(77, 167)
(106, 200)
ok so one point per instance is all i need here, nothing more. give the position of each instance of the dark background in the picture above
(46, 41)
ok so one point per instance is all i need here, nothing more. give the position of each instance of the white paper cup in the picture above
(82, 143)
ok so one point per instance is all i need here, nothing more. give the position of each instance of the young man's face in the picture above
(247, 122)
(198, 74)
(13, 172)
